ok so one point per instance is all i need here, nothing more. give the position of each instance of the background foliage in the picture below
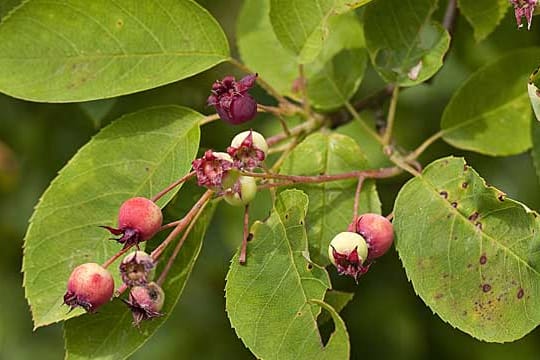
(38, 139)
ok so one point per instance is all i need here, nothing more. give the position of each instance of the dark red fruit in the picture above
(378, 232)
(232, 101)
(89, 286)
(145, 302)
(138, 220)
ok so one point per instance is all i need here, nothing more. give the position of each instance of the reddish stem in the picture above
(181, 224)
(171, 260)
(357, 197)
(172, 186)
(243, 250)
(113, 258)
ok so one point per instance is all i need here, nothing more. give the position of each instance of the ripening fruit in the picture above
(231, 99)
(348, 251)
(248, 149)
(139, 219)
(215, 170)
(378, 232)
(145, 302)
(243, 192)
(89, 286)
(257, 140)
(136, 267)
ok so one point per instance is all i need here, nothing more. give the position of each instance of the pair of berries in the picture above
(369, 237)
(219, 171)
(90, 285)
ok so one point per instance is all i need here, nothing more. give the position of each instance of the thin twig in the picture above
(172, 186)
(391, 117)
(113, 258)
(357, 197)
(176, 250)
(208, 119)
(420, 149)
(305, 98)
(181, 224)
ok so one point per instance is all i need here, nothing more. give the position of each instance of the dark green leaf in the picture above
(471, 254)
(110, 333)
(331, 203)
(405, 46)
(274, 299)
(491, 104)
(137, 155)
(75, 50)
(483, 15)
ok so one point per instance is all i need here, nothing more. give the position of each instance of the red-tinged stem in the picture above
(243, 250)
(181, 224)
(176, 250)
(120, 290)
(357, 197)
(113, 258)
(370, 174)
(172, 186)
(390, 216)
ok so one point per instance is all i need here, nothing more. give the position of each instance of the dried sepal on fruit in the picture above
(89, 286)
(215, 170)
(145, 302)
(139, 219)
(348, 251)
(136, 267)
(248, 150)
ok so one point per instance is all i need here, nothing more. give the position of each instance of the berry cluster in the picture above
(369, 237)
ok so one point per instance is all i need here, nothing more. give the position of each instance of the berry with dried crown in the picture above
(135, 268)
(89, 286)
(248, 149)
(378, 232)
(232, 100)
(242, 192)
(138, 220)
(215, 170)
(145, 302)
(348, 251)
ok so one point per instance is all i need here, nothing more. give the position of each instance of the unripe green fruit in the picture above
(344, 244)
(243, 192)
(258, 140)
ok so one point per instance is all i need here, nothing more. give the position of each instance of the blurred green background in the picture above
(385, 319)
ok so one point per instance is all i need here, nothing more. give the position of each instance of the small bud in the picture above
(378, 232)
(89, 286)
(138, 220)
(248, 149)
(135, 268)
(242, 192)
(348, 251)
(215, 170)
(145, 302)
(232, 101)
(524, 8)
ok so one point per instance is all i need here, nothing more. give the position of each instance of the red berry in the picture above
(138, 220)
(378, 232)
(145, 302)
(89, 286)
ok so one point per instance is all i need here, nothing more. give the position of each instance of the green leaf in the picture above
(471, 254)
(491, 104)
(483, 15)
(274, 299)
(301, 26)
(340, 78)
(75, 50)
(535, 151)
(137, 155)
(405, 46)
(533, 88)
(337, 300)
(330, 204)
(110, 333)
(260, 49)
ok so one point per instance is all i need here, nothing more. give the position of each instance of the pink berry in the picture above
(89, 286)
(145, 302)
(378, 232)
(138, 220)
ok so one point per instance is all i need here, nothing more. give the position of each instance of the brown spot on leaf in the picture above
(465, 167)
(310, 266)
(483, 259)
(465, 185)
(454, 204)
(438, 296)
(444, 194)
(500, 197)
(119, 23)
(486, 288)
(249, 237)
(520, 293)
(474, 216)
(479, 225)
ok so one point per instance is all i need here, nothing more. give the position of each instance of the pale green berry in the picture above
(243, 192)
